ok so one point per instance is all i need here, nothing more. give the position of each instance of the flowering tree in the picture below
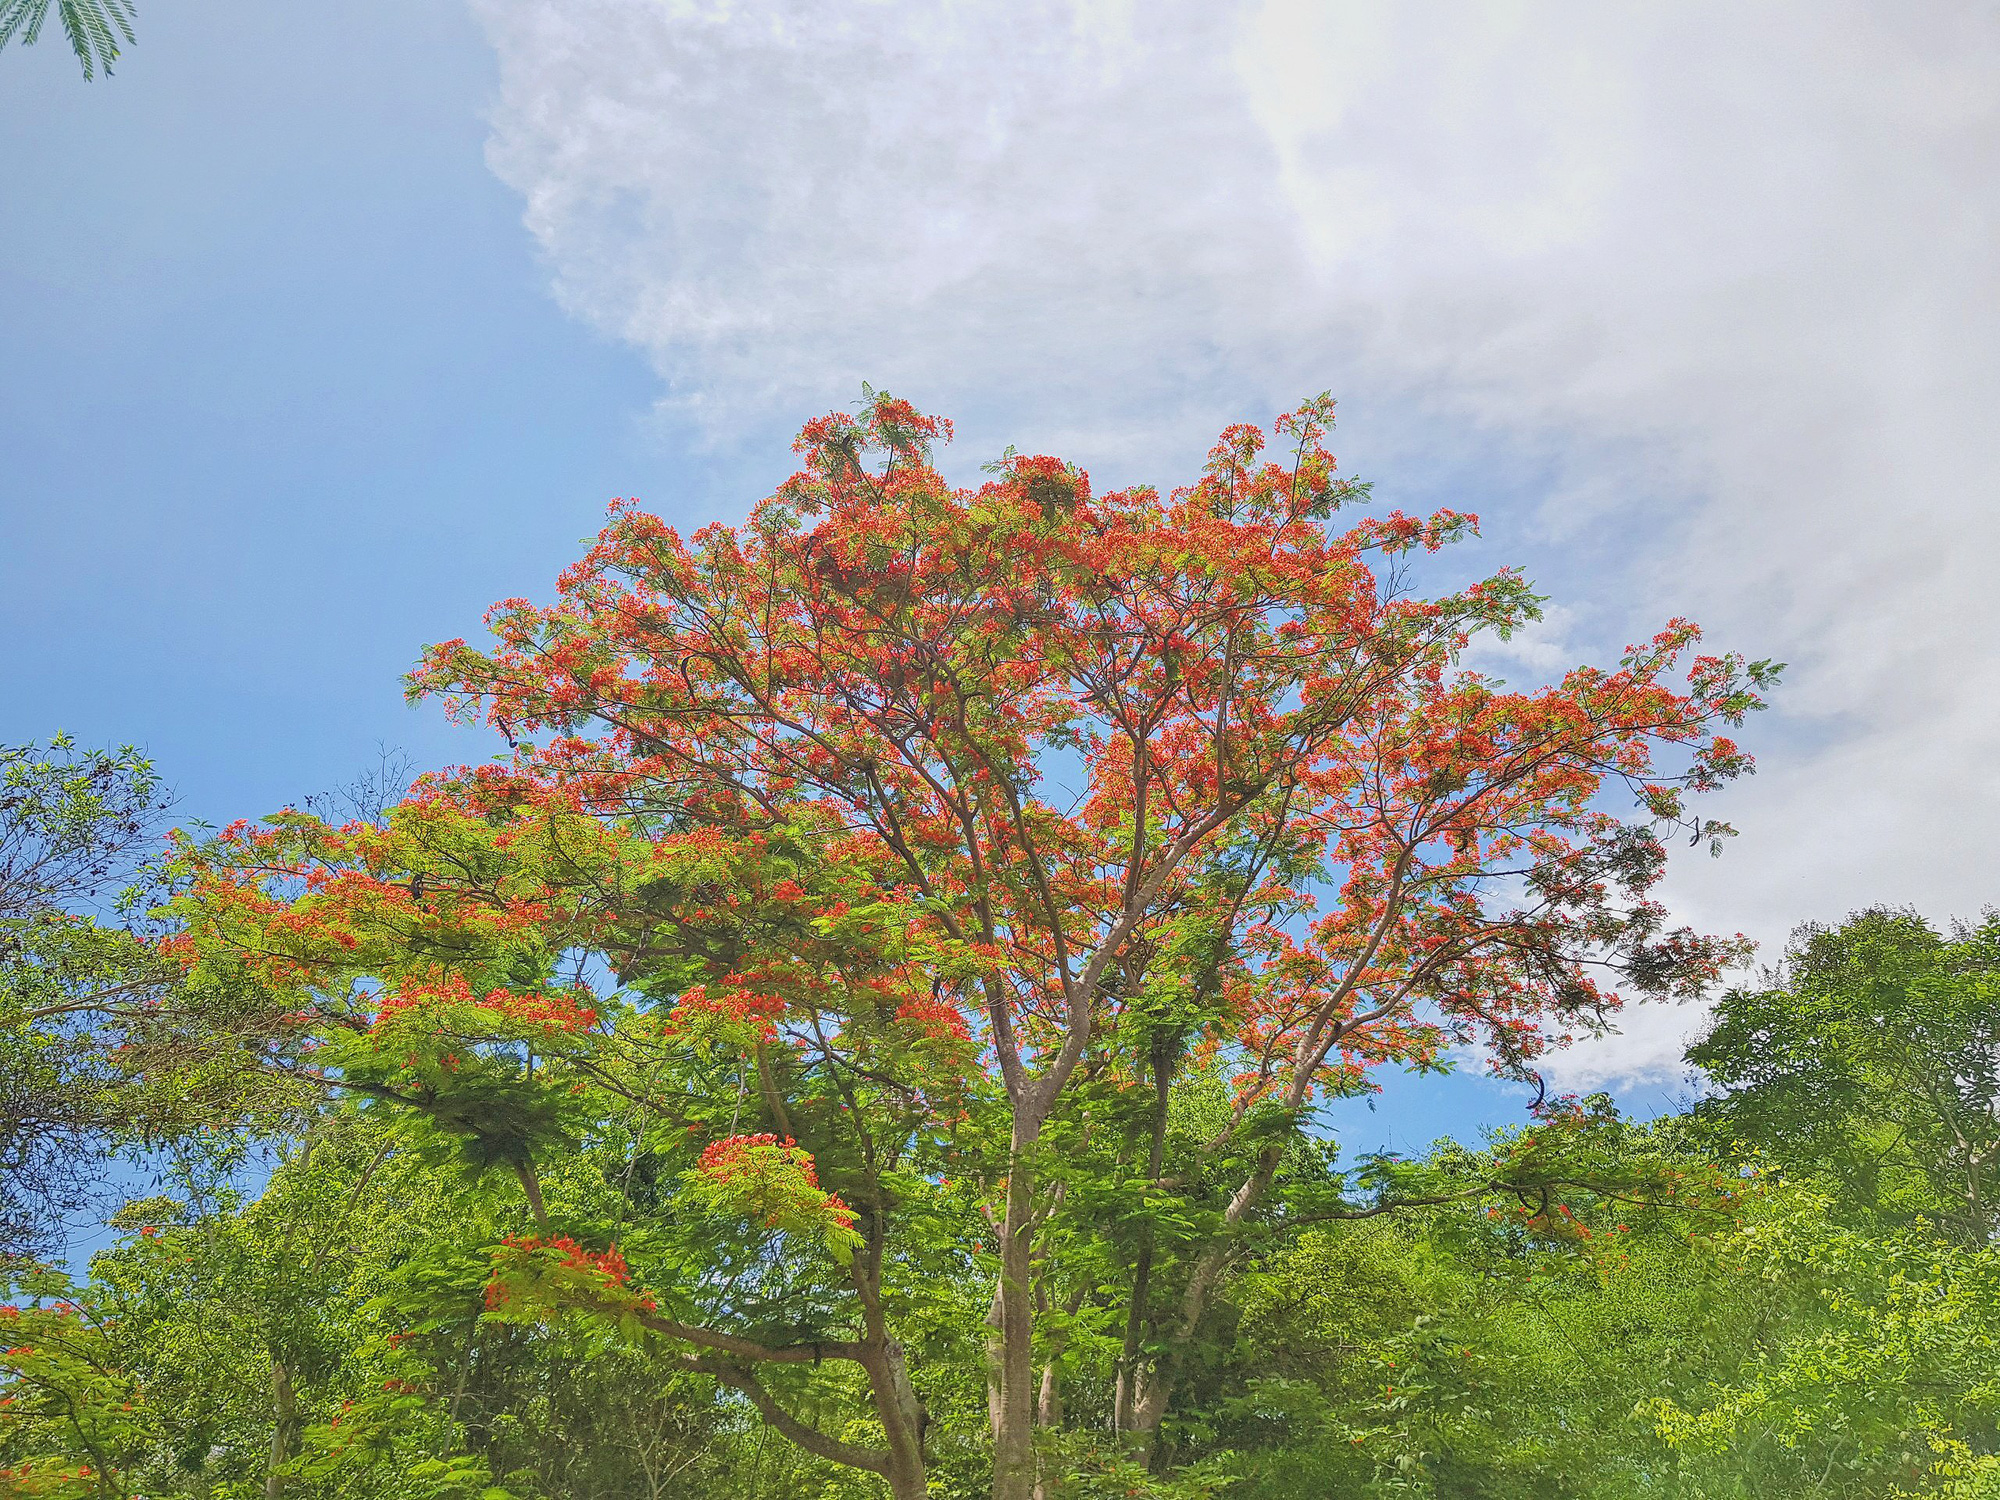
(910, 823)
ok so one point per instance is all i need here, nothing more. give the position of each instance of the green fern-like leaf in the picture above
(92, 26)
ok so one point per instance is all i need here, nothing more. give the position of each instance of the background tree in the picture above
(1471, 1350)
(1872, 1062)
(103, 1047)
(73, 824)
(327, 1338)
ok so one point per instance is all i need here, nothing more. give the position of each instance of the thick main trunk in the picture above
(903, 1422)
(284, 1428)
(1127, 1402)
(1125, 1397)
(1010, 1346)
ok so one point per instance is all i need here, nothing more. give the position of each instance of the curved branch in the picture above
(810, 1438)
(742, 1348)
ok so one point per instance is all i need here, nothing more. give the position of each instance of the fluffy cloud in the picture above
(1729, 274)
(982, 202)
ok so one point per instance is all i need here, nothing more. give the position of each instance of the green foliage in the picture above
(103, 1046)
(483, 1266)
(1888, 1378)
(1435, 1356)
(68, 817)
(1873, 1066)
(93, 27)
(71, 823)
(337, 1329)
(334, 1331)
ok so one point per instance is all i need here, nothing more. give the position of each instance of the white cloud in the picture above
(1731, 272)
(781, 199)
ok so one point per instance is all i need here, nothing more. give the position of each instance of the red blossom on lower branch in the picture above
(774, 1180)
(535, 1273)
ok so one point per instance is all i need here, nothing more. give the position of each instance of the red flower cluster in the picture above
(776, 1177)
(726, 1159)
(532, 1011)
(603, 1272)
(734, 1007)
(938, 1019)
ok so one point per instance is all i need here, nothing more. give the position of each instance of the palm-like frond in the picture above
(92, 26)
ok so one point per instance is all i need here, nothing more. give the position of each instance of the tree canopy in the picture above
(872, 1032)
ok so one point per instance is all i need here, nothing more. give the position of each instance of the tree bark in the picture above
(903, 1421)
(532, 1187)
(1126, 1398)
(1153, 1384)
(1011, 1392)
(882, 1357)
(284, 1427)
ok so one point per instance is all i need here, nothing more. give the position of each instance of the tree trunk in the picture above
(1048, 1415)
(1124, 1398)
(1127, 1400)
(895, 1399)
(531, 1185)
(1048, 1406)
(903, 1422)
(284, 1427)
(1010, 1347)
(1152, 1385)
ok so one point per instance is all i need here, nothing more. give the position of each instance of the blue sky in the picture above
(325, 330)
(285, 395)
